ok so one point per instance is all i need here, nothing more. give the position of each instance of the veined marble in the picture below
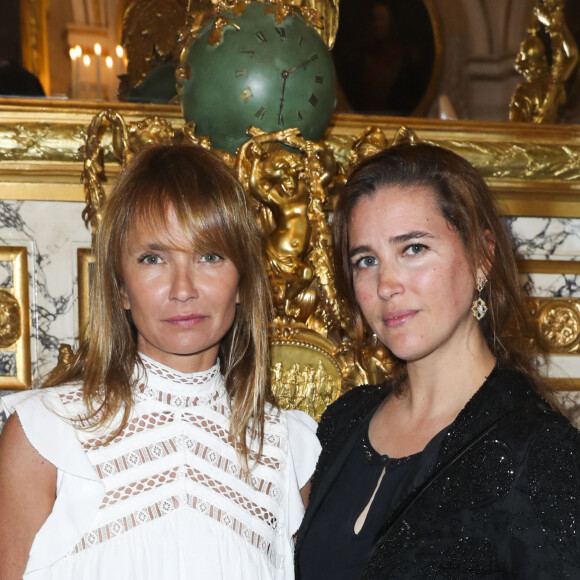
(546, 238)
(52, 232)
(552, 239)
(552, 285)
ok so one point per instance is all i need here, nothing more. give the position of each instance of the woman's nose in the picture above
(183, 284)
(389, 282)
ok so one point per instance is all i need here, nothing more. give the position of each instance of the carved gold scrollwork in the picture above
(306, 374)
(534, 161)
(150, 35)
(65, 358)
(15, 321)
(545, 68)
(289, 189)
(558, 324)
(10, 328)
(127, 139)
(93, 166)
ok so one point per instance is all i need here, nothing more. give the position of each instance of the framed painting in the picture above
(387, 56)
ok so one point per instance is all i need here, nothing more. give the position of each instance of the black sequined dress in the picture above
(501, 499)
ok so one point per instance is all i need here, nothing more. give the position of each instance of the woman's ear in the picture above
(125, 298)
(487, 260)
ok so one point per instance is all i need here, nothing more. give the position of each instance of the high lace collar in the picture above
(176, 388)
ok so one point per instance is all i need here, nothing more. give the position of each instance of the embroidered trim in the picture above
(177, 444)
(181, 472)
(167, 506)
(201, 378)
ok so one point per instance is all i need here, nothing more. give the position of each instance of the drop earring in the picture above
(479, 307)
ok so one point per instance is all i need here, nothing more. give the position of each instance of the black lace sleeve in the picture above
(545, 530)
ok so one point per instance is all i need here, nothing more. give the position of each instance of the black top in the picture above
(331, 548)
(502, 499)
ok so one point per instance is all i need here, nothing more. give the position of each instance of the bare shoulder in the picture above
(15, 445)
(27, 495)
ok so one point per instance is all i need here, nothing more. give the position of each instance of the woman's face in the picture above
(182, 303)
(411, 275)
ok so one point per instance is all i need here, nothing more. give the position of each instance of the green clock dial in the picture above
(262, 73)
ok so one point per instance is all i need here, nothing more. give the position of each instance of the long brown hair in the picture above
(467, 204)
(211, 207)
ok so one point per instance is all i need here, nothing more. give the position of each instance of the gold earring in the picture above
(479, 307)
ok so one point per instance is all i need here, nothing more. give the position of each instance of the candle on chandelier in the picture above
(87, 92)
(120, 60)
(111, 81)
(98, 50)
(75, 53)
(74, 73)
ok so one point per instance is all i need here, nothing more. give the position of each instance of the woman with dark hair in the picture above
(159, 453)
(457, 467)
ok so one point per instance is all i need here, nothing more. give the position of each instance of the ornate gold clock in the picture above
(257, 68)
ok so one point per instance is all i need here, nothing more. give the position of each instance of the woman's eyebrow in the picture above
(358, 250)
(149, 247)
(410, 236)
(402, 238)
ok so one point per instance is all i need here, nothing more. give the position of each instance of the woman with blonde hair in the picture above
(457, 467)
(159, 453)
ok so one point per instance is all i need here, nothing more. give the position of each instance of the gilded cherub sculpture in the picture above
(538, 98)
(289, 190)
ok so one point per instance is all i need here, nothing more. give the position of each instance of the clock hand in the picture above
(284, 74)
(304, 64)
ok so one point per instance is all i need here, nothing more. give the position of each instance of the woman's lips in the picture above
(398, 318)
(186, 320)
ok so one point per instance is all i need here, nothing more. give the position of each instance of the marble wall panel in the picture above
(552, 239)
(52, 232)
(546, 238)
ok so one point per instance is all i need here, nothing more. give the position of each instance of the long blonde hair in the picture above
(211, 207)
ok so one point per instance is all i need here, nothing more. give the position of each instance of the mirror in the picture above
(41, 36)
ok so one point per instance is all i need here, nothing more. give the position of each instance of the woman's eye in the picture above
(415, 249)
(365, 262)
(211, 258)
(150, 259)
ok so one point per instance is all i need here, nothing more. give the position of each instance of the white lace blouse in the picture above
(166, 499)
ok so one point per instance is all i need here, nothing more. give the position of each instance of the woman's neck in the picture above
(443, 387)
(438, 387)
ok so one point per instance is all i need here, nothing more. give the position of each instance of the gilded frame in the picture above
(85, 264)
(557, 319)
(19, 302)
